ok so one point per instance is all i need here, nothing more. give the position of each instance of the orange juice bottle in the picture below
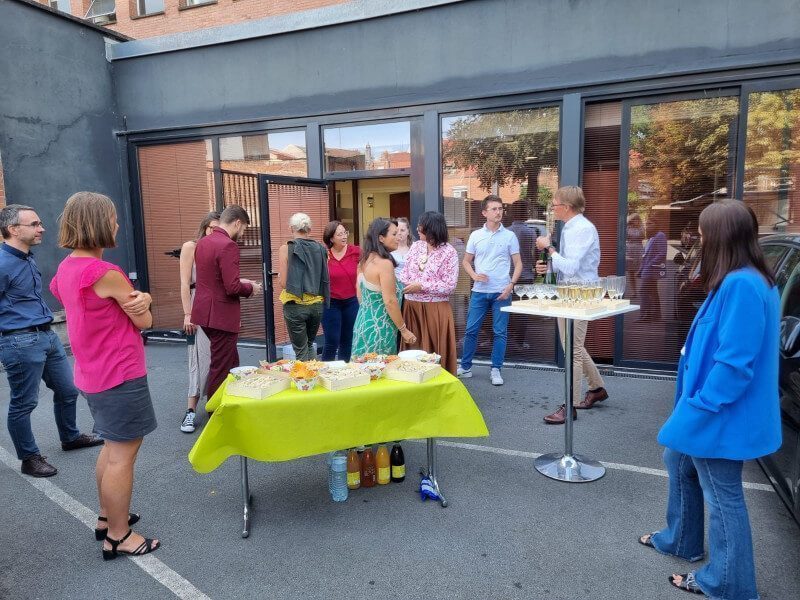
(368, 468)
(382, 463)
(353, 470)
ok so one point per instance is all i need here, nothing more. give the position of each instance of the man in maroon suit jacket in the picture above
(218, 288)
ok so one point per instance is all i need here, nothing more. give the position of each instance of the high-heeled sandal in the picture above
(100, 534)
(147, 546)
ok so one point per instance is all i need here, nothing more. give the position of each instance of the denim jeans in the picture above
(730, 571)
(480, 304)
(337, 322)
(28, 358)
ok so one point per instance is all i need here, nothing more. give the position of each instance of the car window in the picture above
(788, 268)
(773, 254)
(790, 296)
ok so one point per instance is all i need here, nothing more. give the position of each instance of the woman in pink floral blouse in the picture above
(429, 277)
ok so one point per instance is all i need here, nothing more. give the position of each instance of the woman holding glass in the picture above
(379, 317)
(726, 408)
(404, 241)
(429, 278)
(199, 347)
(338, 318)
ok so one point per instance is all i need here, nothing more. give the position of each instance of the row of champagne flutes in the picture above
(573, 292)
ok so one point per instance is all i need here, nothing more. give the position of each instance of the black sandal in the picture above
(687, 584)
(100, 534)
(647, 539)
(147, 546)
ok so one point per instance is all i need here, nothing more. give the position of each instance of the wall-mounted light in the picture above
(371, 201)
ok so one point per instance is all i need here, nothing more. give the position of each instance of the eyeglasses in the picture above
(34, 224)
(556, 204)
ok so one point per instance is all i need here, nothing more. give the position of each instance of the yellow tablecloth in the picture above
(293, 424)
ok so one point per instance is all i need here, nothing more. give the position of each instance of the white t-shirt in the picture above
(493, 251)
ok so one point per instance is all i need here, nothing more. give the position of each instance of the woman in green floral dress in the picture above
(379, 317)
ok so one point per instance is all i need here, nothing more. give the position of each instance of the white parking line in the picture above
(171, 580)
(608, 465)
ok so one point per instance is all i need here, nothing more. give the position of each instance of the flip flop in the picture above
(647, 539)
(687, 584)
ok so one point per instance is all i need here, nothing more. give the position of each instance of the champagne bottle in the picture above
(398, 463)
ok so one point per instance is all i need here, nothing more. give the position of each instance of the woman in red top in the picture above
(338, 319)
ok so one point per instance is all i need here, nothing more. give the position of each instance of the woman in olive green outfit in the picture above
(379, 317)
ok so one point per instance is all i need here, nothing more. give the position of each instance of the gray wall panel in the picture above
(57, 122)
(468, 49)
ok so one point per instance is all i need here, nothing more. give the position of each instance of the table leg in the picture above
(431, 474)
(568, 466)
(247, 499)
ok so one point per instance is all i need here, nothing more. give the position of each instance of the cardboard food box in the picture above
(412, 371)
(259, 385)
(343, 378)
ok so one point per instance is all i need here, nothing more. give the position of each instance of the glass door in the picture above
(677, 156)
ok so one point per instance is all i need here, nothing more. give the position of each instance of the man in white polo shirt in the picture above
(578, 259)
(490, 252)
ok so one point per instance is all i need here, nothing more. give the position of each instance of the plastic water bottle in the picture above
(338, 478)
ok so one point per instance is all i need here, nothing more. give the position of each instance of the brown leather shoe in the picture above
(591, 397)
(37, 466)
(558, 417)
(82, 441)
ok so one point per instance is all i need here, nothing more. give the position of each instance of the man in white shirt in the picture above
(490, 252)
(578, 259)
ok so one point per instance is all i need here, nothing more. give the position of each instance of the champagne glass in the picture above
(621, 285)
(528, 290)
(518, 290)
(611, 285)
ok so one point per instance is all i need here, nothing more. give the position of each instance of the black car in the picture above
(783, 467)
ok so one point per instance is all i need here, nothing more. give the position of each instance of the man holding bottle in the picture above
(578, 258)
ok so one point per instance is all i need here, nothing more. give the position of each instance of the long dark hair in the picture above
(729, 230)
(212, 216)
(372, 243)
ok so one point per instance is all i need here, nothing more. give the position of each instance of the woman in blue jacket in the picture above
(726, 408)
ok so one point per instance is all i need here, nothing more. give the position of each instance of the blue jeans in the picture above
(28, 358)
(480, 304)
(337, 322)
(730, 571)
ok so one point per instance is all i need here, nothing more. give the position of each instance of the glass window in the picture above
(513, 154)
(680, 160)
(149, 7)
(62, 5)
(275, 153)
(368, 147)
(772, 160)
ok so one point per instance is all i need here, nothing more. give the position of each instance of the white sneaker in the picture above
(463, 373)
(188, 422)
(497, 379)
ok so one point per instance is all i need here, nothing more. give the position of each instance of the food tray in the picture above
(344, 378)
(412, 371)
(259, 385)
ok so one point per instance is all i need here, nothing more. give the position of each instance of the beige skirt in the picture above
(432, 323)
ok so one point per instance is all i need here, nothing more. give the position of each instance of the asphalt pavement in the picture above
(508, 533)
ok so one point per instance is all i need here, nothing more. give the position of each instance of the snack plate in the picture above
(259, 385)
(412, 371)
(343, 378)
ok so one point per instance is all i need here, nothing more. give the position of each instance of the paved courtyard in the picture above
(508, 533)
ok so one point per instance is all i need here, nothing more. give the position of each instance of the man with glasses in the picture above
(29, 350)
(490, 252)
(578, 259)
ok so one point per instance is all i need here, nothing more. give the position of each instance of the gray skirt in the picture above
(123, 413)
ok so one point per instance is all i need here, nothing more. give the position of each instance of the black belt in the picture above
(192, 286)
(42, 327)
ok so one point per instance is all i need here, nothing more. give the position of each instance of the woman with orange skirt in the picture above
(429, 278)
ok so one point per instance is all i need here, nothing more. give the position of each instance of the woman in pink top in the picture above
(110, 365)
(430, 276)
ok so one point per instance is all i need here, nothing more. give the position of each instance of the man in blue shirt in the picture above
(491, 250)
(29, 350)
